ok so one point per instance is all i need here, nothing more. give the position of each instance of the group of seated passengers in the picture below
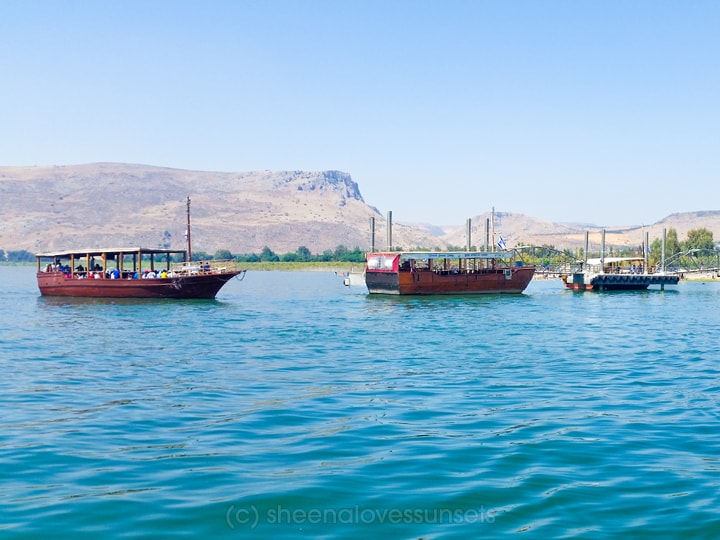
(633, 269)
(57, 267)
(97, 273)
(116, 274)
(152, 274)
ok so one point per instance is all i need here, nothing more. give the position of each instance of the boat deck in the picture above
(632, 281)
(618, 282)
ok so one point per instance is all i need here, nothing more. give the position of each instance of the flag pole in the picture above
(189, 250)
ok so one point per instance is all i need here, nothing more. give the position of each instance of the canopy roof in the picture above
(95, 252)
(609, 260)
(425, 255)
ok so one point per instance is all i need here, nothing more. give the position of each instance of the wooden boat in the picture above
(617, 274)
(132, 272)
(446, 272)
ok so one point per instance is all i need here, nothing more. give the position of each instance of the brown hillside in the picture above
(111, 204)
(518, 229)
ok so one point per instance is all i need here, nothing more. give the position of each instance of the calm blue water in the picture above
(293, 406)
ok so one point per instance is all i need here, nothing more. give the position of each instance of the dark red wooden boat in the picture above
(133, 272)
(130, 273)
(446, 272)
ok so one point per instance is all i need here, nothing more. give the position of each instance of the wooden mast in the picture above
(187, 234)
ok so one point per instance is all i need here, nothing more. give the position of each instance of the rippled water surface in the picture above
(293, 406)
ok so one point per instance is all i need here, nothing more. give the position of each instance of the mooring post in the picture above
(189, 243)
(487, 234)
(469, 231)
(389, 230)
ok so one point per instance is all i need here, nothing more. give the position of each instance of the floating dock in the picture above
(619, 282)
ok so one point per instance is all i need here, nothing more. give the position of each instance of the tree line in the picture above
(696, 239)
(301, 254)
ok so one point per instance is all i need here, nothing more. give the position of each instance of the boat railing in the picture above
(615, 269)
(190, 268)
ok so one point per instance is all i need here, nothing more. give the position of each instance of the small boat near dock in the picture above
(619, 273)
(446, 272)
(616, 274)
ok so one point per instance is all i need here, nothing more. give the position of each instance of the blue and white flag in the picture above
(501, 243)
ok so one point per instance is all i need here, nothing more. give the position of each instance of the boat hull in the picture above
(617, 282)
(205, 286)
(490, 281)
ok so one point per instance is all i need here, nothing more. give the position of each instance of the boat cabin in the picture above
(618, 265)
(446, 272)
(114, 263)
(443, 263)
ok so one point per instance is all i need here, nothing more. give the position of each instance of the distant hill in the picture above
(114, 204)
(521, 229)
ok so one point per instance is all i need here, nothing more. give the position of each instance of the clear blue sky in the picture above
(605, 112)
